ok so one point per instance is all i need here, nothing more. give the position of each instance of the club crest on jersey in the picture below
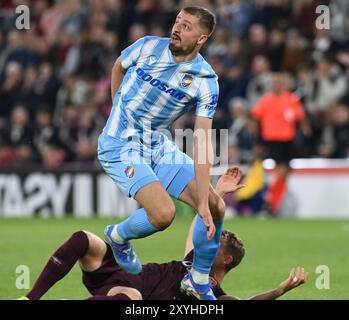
(152, 59)
(186, 81)
(129, 171)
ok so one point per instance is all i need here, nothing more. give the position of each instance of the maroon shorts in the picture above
(109, 275)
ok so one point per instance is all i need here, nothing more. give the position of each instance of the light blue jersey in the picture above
(156, 90)
(135, 151)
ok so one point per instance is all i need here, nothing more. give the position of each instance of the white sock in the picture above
(199, 277)
(116, 237)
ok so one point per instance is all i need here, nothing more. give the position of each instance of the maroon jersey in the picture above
(155, 282)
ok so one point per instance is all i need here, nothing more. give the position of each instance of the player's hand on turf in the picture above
(206, 216)
(297, 277)
(229, 182)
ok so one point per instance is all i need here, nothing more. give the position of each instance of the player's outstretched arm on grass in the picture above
(117, 75)
(297, 277)
(229, 182)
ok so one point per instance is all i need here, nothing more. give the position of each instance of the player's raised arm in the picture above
(229, 182)
(117, 75)
(203, 155)
(297, 277)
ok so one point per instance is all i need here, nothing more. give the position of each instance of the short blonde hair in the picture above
(233, 245)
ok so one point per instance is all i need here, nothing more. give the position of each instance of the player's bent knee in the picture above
(132, 293)
(165, 217)
(79, 233)
(80, 236)
(164, 222)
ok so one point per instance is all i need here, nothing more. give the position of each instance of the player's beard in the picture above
(177, 50)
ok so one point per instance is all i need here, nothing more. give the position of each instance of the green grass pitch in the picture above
(273, 247)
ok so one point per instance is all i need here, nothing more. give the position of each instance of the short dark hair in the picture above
(207, 19)
(234, 246)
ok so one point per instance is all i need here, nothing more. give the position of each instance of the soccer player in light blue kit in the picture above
(154, 82)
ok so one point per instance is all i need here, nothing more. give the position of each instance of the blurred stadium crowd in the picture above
(55, 77)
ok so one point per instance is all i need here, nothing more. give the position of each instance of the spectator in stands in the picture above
(15, 50)
(260, 82)
(235, 16)
(111, 47)
(296, 50)
(88, 130)
(21, 136)
(258, 41)
(276, 50)
(101, 94)
(10, 88)
(137, 31)
(50, 20)
(66, 54)
(339, 10)
(92, 53)
(321, 44)
(6, 152)
(68, 126)
(243, 132)
(75, 18)
(27, 94)
(237, 53)
(327, 85)
(304, 16)
(233, 81)
(75, 92)
(218, 47)
(335, 137)
(47, 85)
(46, 142)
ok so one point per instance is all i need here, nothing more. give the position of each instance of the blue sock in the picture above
(136, 226)
(205, 251)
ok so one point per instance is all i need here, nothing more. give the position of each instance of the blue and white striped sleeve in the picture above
(208, 97)
(130, 55)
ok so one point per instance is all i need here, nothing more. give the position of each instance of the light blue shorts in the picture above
(132, 166)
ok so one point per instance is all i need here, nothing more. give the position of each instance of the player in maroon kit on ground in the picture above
(105, 280)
